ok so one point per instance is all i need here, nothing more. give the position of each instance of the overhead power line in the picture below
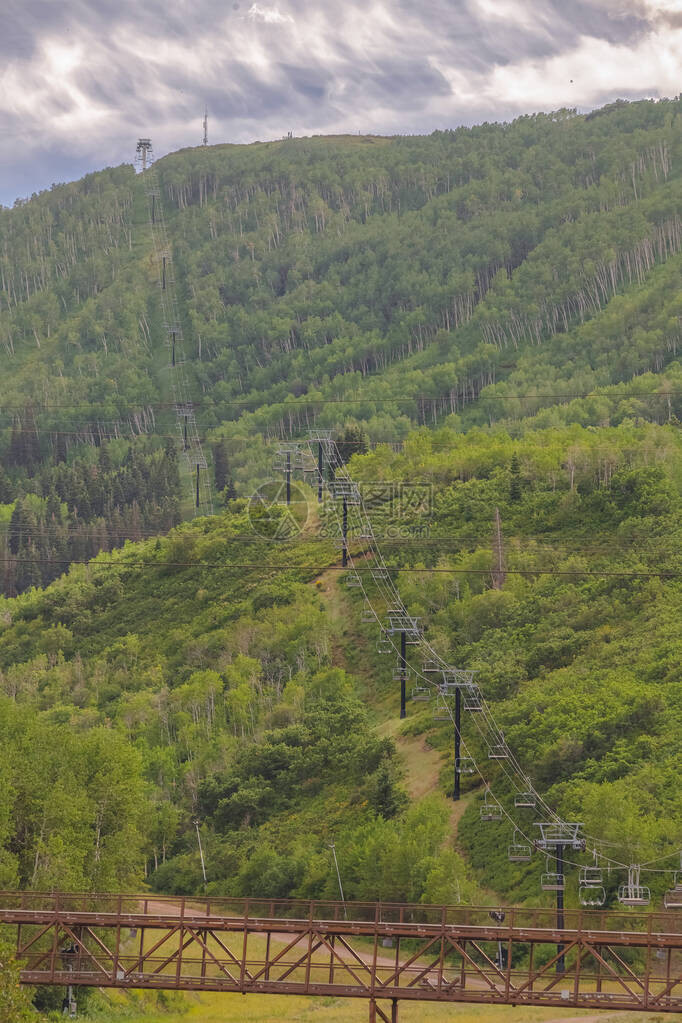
(60, 531)
(259, 403)
(256, 566)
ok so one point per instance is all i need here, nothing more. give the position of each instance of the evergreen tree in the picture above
(353, 441)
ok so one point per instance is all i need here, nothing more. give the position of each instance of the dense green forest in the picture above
(492, 313)
(216, 676)
(487, 273)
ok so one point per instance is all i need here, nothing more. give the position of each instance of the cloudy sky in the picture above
(81, 79)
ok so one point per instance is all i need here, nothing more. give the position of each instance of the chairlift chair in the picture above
(421, 694)
(498, 751)
(525, 800)
(465, 765)
(368, 616)
(400, 671)
(353, 579)
(673, 898)
(550, 881)
(379, 574)
(519, 851)
(633, 893)
(471, 698)
(384, 645)
(442, 711)
(431, 667)
(491, 809)
(591, 877)
(591, 894)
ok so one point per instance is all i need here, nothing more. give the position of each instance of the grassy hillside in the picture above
(224, 674)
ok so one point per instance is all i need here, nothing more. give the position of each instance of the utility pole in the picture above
(555, 838)
(403, 672)
(344, 550)
(320, 471)
(195, 822)
(198, 471)
(561, 962)
(458, 726)
(205, 141)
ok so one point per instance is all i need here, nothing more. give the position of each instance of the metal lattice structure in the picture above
(612, 960)
(188, 432)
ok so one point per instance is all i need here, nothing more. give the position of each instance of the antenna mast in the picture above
(205, 142)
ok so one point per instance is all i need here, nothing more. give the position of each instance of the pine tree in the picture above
(221, 465)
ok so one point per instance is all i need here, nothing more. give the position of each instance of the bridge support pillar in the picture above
(376, 1013)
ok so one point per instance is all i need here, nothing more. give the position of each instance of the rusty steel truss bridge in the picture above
(383, 953)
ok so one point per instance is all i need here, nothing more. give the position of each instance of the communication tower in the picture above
(205, 140)
(143, 153)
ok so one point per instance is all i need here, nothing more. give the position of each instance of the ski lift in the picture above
(556, 833)
(384, 645)
(431, 667)
(368, 617)
(442, 711)
(519, 851)
(673, 898)
(591, 877)
(400, 671)
(550, 881)
(421, 693)
(353, 579)
(379, 574)
(525, 800)
(591, 894)
(491, 809)
(498, 750)
(345, 490)
(633, 893)
(465, 765)
(471, 698)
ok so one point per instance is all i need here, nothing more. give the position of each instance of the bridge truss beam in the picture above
(612, 960)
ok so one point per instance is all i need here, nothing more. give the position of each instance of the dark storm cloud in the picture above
(85, 76)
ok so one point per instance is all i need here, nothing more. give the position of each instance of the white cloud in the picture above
(270, 15)
(90, 74)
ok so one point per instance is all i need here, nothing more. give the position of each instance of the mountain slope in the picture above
(499, 305)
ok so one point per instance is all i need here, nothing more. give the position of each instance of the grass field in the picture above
(229, 1008)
